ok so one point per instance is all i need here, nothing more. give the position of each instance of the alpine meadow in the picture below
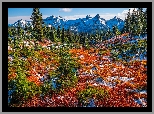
(85, 62)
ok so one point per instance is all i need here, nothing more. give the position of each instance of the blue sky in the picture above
(15, 14)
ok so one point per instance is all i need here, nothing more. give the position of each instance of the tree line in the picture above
(135, 25)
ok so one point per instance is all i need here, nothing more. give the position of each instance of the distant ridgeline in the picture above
(84, 25)
(135, 24)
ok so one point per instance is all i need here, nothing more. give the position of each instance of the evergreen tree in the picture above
(114, 30)
(62, 36)
(140, 21)
(103, 35)
(129, 23)
(134, 22)
(145, 22)
(100, 37)
(108, 34)
(96, 35)
(26, 31)
(80, 36)
(117, 32)
(127, 26)
(19, 30)
(37, 22)
(10, 34)
(58, 32)
(51, 35)
(83, 40)
(45, 31)
(69, 35)
(75, 38)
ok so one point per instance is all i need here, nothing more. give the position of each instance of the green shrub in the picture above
(92, 92)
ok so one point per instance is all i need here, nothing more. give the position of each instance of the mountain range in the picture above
(87, 25)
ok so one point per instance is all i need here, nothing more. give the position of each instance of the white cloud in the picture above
(66, 9)
(73, 17)
(12, 20)
(45, 16)
(131, 10)
(106, 16)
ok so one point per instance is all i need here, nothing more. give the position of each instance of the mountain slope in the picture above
(86, 25)
(115, 22)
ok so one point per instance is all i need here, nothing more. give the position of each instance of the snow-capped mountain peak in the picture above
(88, 24)
(88, 17)
(97, 16)
(115, 22)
